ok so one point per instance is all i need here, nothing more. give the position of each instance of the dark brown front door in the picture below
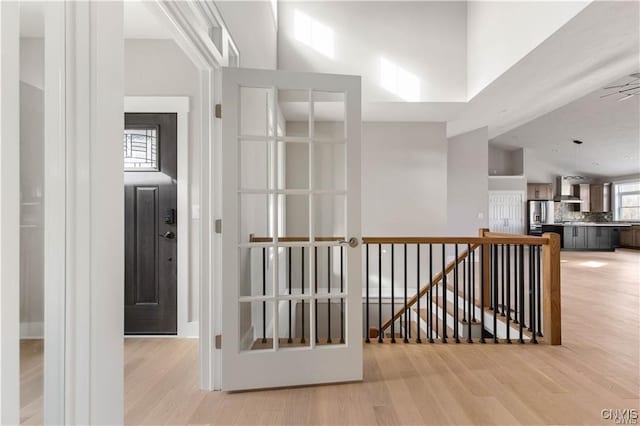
(150, 177)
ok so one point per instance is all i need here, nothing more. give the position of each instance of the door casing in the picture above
(180, 106)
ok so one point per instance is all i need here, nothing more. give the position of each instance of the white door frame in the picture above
(55, 213)
(195, 26)
(180, 106)
(9, 213)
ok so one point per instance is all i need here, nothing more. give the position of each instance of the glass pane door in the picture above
(291, 285)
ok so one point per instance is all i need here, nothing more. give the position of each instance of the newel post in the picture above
(486, 269)
(551, 289)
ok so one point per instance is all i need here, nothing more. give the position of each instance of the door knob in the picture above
(168, 235)
(353, 242)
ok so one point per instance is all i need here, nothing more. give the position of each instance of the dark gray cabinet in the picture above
(590, 237)
(599, 238)
(575, 237)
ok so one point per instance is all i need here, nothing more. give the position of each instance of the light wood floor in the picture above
(597, 367)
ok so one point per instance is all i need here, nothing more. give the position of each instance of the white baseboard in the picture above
(189, 330)
(32, 330)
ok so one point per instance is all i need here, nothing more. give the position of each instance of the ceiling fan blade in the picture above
(630, 83)
(635, 86)
(635, 75)
(609, 94)
(625, 97)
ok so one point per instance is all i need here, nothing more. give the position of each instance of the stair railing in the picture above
(498, 287)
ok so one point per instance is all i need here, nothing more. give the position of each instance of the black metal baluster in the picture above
(473, 285)
(342, 291)
(456, 331)
(366, 339)
(521, 293)
(481, 289)
(532, 279)
(430, 304)
(495, 294)
(444, 296)
(380, 340)
(533, 295)
(418, 340)
(508, 275)
(406, 311)
(289, 340)
(539, 279)
(516, 280)
(393, 322)
(315, 274)
(503, 266)
(328, 294)
(264, 293)
(491, 276)
(302, 339)
(465, 261)
(468, 300)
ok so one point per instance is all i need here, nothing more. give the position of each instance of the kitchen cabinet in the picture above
(539, 191)
(575, 237)
(600, 197)
(599, 238)
(583, 191)
(630, 236)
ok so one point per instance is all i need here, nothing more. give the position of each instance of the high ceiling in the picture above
(395, 46)
(609, 128)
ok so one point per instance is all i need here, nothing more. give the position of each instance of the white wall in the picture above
(426, 39)
(404, 179)
(501, 33)
(467, 183)
(160, 68)
(253, 29)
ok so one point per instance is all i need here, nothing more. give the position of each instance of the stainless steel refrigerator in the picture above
(539, 213)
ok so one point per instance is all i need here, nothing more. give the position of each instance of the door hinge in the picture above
(218, 226)
(218, 110)
(219, 341)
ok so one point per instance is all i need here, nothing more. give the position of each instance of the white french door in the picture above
(506, 212)
(291, 258)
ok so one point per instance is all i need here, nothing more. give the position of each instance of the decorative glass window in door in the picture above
(141, 149)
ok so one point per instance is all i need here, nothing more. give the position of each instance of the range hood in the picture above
(564, 189)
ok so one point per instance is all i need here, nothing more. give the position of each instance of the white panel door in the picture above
(291, 295)
(506, 212)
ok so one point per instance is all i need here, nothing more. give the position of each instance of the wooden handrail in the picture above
(520, 239)
(424, 290)
(488, 238)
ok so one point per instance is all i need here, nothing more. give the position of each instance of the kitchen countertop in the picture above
(618, 224)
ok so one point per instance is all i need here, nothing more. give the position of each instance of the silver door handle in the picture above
(168, 235)
(353, 242)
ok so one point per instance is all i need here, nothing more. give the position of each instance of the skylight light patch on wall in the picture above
(314, 34)
(399, 81)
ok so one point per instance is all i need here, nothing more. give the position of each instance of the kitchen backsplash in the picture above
(563, 213)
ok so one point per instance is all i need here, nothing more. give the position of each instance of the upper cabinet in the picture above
(594, 198)
(600, 197)
(540, 191)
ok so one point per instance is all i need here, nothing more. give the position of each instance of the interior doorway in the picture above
(150, 180)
